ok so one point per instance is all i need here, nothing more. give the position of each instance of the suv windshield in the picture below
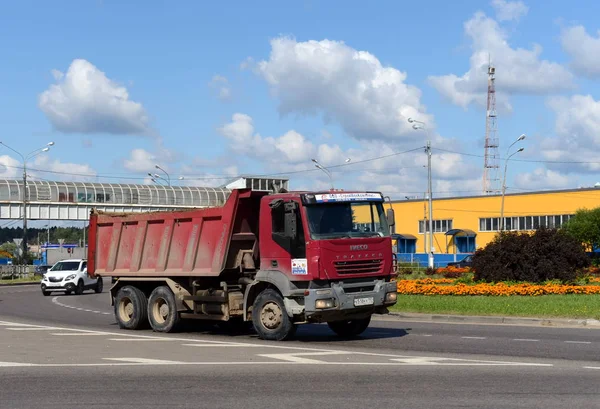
(347, 220)
(66, 266)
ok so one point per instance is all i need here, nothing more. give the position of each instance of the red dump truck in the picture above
(275, 259)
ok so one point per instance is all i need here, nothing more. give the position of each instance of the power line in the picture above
(518, 160)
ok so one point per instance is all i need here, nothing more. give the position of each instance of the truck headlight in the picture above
(391, 297)
(322, 304)
(70, 277)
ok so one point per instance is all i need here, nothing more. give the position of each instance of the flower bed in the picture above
(438, 287)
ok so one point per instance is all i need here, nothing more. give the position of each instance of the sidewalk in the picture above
(468, 319)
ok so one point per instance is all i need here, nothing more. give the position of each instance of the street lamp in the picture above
(25, 158)
(168, 177)
(327, 172)
(520, 138)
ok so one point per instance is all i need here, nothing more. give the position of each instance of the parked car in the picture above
(70, 276)
(465, 262)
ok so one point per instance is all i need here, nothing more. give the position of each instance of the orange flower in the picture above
(428, 287)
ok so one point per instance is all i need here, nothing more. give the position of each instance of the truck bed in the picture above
(197, 242)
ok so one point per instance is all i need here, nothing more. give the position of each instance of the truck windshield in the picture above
(347, 220)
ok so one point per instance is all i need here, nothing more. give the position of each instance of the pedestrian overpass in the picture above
(48, 200)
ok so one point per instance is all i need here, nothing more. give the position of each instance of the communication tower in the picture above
(491, 179)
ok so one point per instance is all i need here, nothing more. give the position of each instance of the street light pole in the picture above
(25, 158)
(431, 248)
(520, 138)
(327, 172)
(504, 187)
(168, 177)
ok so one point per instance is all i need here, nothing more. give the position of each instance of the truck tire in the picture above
(270, 318)
(131, 308)
(162, 310)
(350, 328)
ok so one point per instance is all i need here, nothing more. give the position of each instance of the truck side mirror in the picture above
(391, 218)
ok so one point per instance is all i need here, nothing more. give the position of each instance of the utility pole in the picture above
(431, 249)
(31, 155)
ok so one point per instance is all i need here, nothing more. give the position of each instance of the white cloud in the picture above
(577, 138)
(84, 100)
(584, 50)
(370, 101)
(140, 160)
(518, 70)
(509, 10)
(542, 178)
(290, 148)
(61, 170)
(222, 87)
(9, 167)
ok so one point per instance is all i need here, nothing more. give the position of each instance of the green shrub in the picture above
(547, 254)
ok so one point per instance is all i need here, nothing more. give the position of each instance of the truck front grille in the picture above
(358, 266)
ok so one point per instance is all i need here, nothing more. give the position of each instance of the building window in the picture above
(439, 226)
(523, 223)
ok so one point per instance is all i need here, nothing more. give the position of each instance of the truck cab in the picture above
(330, 256)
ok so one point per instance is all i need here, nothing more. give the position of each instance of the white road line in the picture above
(145, 361)
(474, 337)
(30, 329)
(526, 340)
(55, 301)
(76, 334)
(298, 357)
(578, 342)
(140, 339)
(586, 367)
(13, 364)
(222, 345)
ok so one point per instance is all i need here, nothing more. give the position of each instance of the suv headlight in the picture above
(70, 277)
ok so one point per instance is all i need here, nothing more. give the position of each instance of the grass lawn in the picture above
(21, 280)
(557, 306)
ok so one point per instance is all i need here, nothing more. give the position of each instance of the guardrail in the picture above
(14, 272)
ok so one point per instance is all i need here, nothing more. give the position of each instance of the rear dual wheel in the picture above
(162, 310)
(134, 310)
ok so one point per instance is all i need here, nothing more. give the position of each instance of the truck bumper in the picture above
(349, 300)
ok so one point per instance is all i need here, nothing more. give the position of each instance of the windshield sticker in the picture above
(299, 266)
(347, 197)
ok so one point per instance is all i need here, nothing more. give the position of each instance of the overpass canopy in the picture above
(129, 194)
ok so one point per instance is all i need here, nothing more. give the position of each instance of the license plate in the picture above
(359, 302)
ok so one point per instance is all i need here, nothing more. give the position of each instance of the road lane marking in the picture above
(592, 367)
(13, 364)
(31, 329)
(526, 340)
(298, 357)
(146, 361)
(55, 301)
(222, 345)
(76, 334)
(474, 337)
(141, 339)
(578, 342)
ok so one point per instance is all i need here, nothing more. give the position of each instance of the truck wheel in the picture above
(99, 285)
(350, 328)
(162, 310)
(131, 308)
(270, 318)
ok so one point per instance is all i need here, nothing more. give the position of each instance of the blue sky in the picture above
(214, 90)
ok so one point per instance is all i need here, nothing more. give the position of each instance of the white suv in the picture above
(70, 276)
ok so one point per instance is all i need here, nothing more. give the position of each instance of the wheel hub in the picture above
(271, 316)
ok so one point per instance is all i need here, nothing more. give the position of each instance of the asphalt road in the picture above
(66, 351)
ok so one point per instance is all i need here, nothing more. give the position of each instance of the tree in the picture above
(585, 227)
(10, 248)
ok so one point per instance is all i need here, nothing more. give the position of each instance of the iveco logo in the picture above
(359, 247)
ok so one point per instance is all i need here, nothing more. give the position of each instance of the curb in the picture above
(544, 322)
(17, 284)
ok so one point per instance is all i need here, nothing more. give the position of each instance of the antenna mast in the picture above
(490, 167)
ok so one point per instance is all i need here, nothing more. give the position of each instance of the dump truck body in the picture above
(276, 260)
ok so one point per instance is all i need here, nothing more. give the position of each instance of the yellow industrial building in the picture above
(463, 224)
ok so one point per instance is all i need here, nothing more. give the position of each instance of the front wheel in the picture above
(270, 318)
(46, 293)
(131, 308)
(350, 328)
(79, 289)
(162, 310)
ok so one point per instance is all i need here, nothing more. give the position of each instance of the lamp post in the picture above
(25, 158)
(520, 138)
(327, 172)
(168, 177)
(416, 126)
